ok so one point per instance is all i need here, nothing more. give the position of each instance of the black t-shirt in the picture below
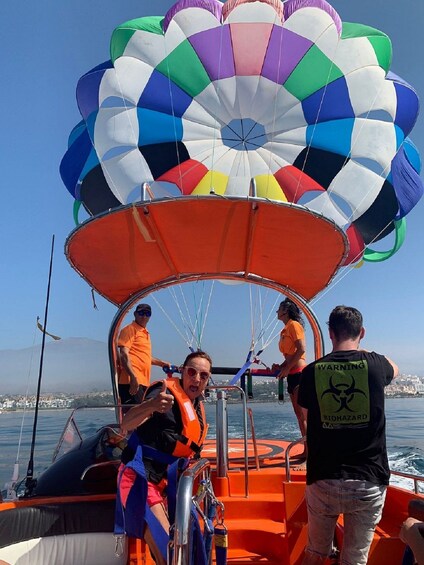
(344, 395)
(161, 432)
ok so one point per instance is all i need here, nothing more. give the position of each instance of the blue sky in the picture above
(47, 46)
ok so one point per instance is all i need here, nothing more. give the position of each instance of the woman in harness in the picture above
(292, 346)
(171, 420)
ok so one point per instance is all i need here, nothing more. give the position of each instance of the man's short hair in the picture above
(345, 322)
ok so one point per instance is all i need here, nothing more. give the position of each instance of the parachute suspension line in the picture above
(196, 317)
(177, 329)
(206, 313)
(252, 320)
(257, 312)
(270, 326)
(11, 487)
(339, 277)
(193, 326)
(199, 322)
(186, 319)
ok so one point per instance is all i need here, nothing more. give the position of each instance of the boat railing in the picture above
(222, 432)
(112, 463)
(416, 479)
(288, 449)
(255, 445)
(180, 537)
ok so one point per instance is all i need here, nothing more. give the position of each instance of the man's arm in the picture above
(124, 355)
(395, 367)
(160, 363)
(412, 533)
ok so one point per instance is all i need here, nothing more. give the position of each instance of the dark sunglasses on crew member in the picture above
(147, 313)
(192, 372)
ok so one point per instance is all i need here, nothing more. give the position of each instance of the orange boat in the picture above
(256, 484)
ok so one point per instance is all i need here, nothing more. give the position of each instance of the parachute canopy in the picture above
(213, 95)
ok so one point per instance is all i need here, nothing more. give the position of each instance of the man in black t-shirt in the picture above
(347, 466)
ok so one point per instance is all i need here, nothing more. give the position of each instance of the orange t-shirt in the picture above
(137, 340)
(292, 332)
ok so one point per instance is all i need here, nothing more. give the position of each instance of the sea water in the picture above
(405, 432)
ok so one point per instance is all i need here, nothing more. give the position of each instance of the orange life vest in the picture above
(191, 438)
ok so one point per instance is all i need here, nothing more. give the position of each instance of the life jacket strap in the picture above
(191, 444)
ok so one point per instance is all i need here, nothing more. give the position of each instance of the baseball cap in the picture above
(143, 307)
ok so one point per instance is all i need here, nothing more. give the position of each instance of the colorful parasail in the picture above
(213, 96)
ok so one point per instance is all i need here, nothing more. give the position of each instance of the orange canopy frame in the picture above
(135, 249)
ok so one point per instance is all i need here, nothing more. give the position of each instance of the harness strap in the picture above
(243, 369)
(173, 472)
(132, 518)
(221, 544)
(150, 452)
(209, 530)
(197, 546)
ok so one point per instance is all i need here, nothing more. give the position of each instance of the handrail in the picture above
(255, 446)
(415, 478)
(246, 456)
(113, 462)
(183, 509)
(289, 448)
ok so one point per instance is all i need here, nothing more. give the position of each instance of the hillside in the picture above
(70, 365)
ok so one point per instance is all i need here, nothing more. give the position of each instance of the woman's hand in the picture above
(163, 402)
(284, 371)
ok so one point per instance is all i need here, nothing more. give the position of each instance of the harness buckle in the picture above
(119, 545)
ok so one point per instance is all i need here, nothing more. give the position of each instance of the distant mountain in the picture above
(70, 365)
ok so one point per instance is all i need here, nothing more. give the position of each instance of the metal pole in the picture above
(221, 435)
(30, 482)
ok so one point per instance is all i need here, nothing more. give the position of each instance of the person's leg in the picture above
(124, 393)
(300, 415)
(156, 502)
(322, 503)
(363, 504)
(160, 513)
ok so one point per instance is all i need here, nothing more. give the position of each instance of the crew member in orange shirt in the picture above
(135, 357)
(292, 346)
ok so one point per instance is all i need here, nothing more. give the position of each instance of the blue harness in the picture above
(133, 519)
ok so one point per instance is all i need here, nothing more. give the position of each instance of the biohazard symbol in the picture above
(343, 393)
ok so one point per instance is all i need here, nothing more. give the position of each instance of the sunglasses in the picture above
(147, 313)
(192, 372)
